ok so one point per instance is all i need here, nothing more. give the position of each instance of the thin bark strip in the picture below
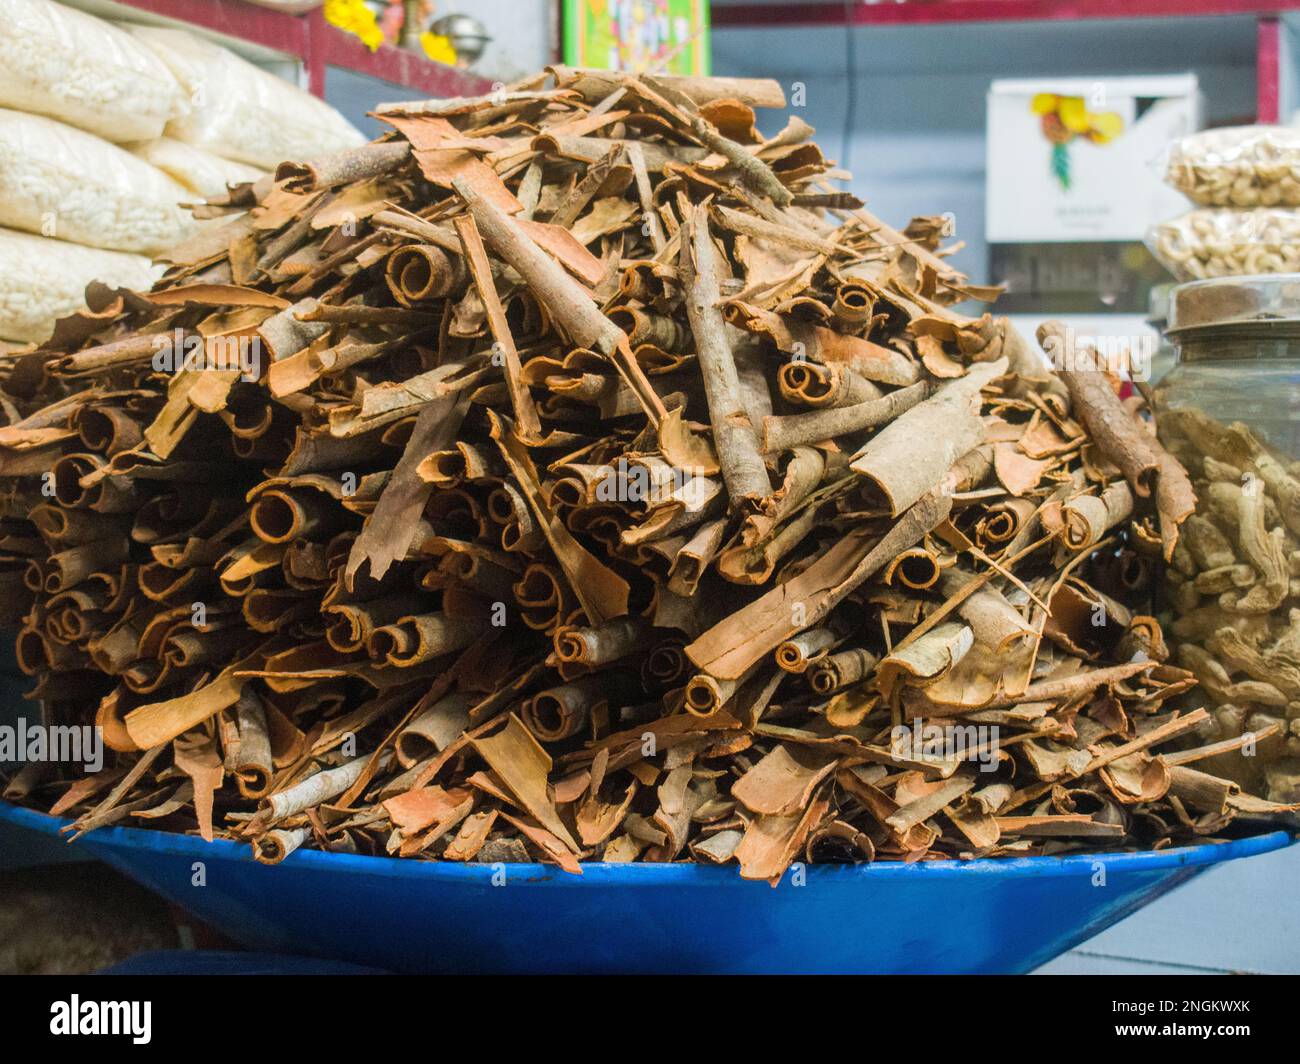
(475, 254)
(781, 433)
(737, 443)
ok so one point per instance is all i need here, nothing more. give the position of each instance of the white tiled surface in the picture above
(1243, 916)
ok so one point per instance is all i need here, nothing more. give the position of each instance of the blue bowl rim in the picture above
(639, 874)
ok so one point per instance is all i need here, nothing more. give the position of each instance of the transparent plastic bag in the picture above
(42, 280)
(1221, 242)
(241, 112)
(1242, 166)
(201, 172)
(65, 183)
(81, 70)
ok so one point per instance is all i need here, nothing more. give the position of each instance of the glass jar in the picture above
(1237, 347)
(1158, 318)
(1230, 411)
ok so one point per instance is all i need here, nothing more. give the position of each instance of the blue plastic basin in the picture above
(987, 916)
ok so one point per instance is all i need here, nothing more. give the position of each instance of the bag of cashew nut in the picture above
(1220, 242)
(1240, 166)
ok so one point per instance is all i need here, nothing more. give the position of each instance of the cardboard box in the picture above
(1079, 159)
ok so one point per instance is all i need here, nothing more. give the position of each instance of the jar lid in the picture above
(1267, 300)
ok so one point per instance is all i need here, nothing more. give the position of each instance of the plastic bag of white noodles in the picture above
(240, 111)
(81, 70)
(203, 173)
(1241, 166)
(1221, 242)
(42, 280)
(61, 182)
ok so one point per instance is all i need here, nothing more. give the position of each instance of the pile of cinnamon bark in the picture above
(575, 473)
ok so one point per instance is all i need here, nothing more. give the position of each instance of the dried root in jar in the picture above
(1233, 589)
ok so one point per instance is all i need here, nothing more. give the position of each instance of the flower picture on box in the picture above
(1066, 117)
(1075, 159)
